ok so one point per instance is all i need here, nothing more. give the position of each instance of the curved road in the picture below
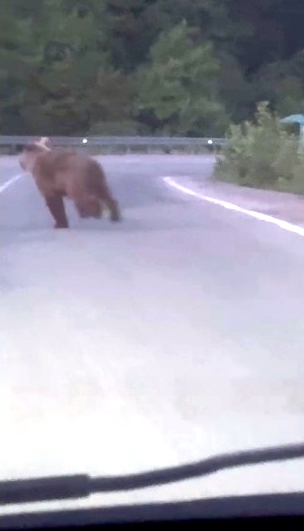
(173, 336)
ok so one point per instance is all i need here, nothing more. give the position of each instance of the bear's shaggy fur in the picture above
(61, 173)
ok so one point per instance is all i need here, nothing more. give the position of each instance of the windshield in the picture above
(152, 249)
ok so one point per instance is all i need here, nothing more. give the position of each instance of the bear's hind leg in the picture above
(89, 207)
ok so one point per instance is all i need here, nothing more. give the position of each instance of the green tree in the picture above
(282, 84)
(133, 26)
(71, 55)
(180, 84)
(16, 59)
(67, 66)
(62, 70)
(236, 92)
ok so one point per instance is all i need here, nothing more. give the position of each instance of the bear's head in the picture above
(30, 153)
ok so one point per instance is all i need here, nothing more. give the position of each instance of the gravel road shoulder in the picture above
(282, 205)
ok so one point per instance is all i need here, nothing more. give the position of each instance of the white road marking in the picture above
(231, 206)
(285, 225)
(11, 181)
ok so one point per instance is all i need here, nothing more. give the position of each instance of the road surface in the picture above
(171, 337)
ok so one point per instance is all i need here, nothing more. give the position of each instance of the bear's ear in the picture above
(44, 142)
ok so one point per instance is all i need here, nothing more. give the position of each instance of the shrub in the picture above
(263, 154)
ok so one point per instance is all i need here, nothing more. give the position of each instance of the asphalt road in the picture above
(171, 337)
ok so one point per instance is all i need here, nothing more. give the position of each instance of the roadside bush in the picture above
(296, 183)
(262, 154)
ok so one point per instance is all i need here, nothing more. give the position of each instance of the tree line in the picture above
(172, 67)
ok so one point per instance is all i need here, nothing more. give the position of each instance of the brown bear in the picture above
(61, 173)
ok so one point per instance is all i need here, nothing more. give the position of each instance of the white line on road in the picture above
(296, 229)
(11, 181)
(231, 206)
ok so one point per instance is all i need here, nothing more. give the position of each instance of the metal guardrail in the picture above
(125, 142)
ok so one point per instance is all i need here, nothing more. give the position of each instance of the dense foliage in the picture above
(147, 66)
(262, 154)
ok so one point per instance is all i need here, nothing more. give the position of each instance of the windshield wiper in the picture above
(81, 485)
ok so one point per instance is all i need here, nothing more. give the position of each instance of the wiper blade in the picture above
(82, 485)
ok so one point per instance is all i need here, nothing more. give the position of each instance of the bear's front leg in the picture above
(56, 207)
